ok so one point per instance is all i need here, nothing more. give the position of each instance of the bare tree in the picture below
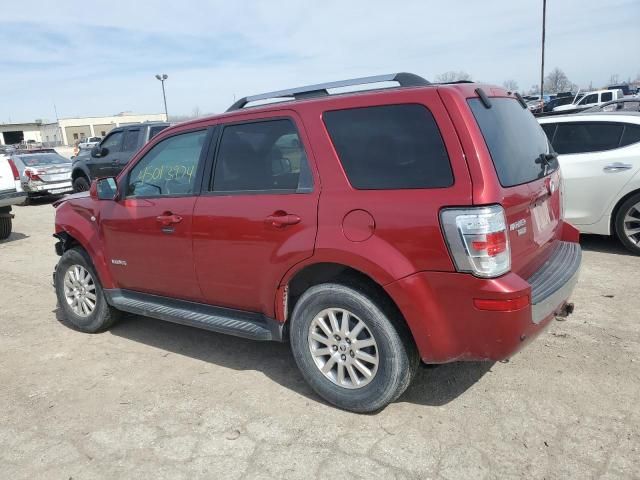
(195, 113)
(448, 77)
(510, 85)
(557, 82)
(614, 79)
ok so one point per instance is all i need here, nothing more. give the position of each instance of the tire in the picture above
(397, 357)
(6, 225)
(629, 210)
(102, 316)
(81, 184)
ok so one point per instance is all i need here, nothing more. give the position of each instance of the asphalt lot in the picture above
(155, 400)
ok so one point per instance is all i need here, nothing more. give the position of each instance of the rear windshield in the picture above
(43, 159)
(515, 140)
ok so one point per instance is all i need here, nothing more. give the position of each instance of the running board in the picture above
(239, 323)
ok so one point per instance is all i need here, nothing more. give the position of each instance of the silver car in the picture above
(43, 172)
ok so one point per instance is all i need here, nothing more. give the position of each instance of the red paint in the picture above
(241, 251)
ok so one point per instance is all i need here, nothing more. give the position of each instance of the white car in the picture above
(10, 193)
(89, 142)
(591, 99)
(599, 154)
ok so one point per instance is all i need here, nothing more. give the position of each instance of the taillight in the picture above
(14, 170)
(478, 239)
(33, 174)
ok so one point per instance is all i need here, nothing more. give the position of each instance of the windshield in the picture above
(516, 142)
(43, 159)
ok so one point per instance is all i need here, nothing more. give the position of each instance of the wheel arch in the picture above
(313, 274)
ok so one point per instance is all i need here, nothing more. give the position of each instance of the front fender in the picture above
(78, 221)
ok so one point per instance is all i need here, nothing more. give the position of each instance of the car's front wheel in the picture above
(627, 223)
(80, 294)
(353, 352)
(81, 184)
(6, 226)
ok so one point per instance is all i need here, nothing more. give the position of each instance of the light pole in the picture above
(544, 25)
(162, 78)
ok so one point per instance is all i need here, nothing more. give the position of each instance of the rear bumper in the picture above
(447, 326)
(44, 188)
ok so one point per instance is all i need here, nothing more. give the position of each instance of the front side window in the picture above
(390, 147)
(130, 142)
(261, 156)
(169, 168)
(113, 142)
(593, 98)
(583, 137)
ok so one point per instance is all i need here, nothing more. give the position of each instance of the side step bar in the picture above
(239, 323)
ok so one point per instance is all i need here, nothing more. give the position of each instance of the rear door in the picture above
(597, 162)
(100, 166)
(259, 216)
(529, 185)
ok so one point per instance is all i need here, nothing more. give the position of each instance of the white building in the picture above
(67, 131)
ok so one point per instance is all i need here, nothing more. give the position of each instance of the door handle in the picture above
(282, 219)
(617, 167)
(168, 218)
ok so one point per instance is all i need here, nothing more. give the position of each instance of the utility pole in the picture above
(544, 22)
(162, 78)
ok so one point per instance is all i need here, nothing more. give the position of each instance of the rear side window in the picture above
(606, 97)
(390, 147)
(549, 130)
(587, 137)
(153, 131)
(631, 135)
(514, 139)
(265, 156)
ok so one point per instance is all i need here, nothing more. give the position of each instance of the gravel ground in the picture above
(155, 400)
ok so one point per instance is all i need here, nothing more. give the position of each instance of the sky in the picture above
(90, 60)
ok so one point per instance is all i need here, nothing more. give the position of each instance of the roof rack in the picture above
(404, 80)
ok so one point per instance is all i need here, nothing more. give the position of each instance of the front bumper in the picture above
(447, 326)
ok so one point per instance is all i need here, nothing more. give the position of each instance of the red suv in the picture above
(370, 229)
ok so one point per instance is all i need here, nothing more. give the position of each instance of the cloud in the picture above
(103, 61)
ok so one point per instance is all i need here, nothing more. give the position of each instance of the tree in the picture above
(557, 82)
(614, 79)
(510, 85)
(195, 113)
(448, 77)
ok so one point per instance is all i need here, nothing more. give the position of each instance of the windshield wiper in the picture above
(545, 160)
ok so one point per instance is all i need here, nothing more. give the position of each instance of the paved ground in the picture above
(156, 400)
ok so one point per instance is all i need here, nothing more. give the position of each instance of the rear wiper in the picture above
(545, 160)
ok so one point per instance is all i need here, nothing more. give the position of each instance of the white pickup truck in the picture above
(590, 99)
(10, 194)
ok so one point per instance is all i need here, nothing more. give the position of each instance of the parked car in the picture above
(10, 192)
(43, 172)
(113, 153)
(89, 142)
(369, 229)
(562, 100)
(626, 90)
(591, 99)
(627, 104)
(600, 158)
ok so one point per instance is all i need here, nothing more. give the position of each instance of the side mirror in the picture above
(98, 152)
(104, 189)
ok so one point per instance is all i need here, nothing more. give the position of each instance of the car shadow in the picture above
(603, 244)
(15, 236)
(432, 386)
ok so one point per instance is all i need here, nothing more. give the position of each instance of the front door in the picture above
(259, 217)
(595, 166)
(147, 234)
(100, 166)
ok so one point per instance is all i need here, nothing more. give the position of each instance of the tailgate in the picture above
(7, 182)
(529, 179)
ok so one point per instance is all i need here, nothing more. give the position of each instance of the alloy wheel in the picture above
(80, 290)
(631, 224)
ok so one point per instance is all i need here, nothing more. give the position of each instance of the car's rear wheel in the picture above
(627, 223)
(81, 184)
(80, 294)
(6, 225)
(350, 348)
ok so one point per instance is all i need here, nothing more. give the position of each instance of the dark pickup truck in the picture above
(112, 154)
